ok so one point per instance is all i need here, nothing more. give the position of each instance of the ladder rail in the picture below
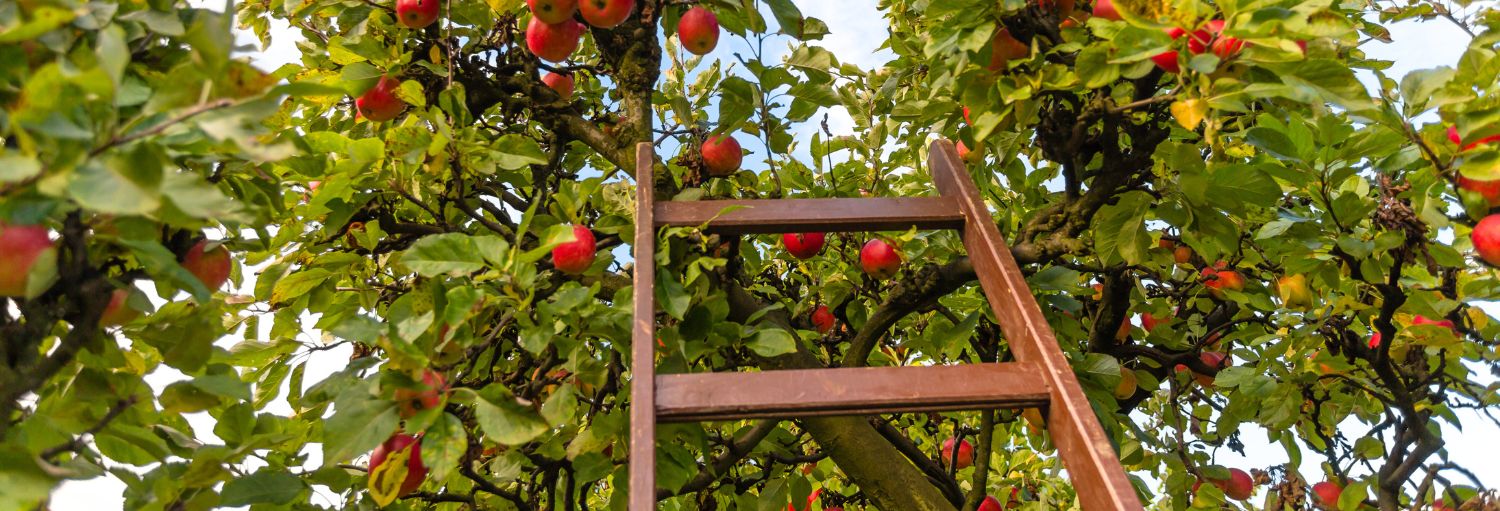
(643, 337)
(1086, 452)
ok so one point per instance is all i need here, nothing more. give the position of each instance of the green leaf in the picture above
(298, 284)
(15, 167)
(101, 188)
(359, 77)
(44, 19)
(517, 152)
(359, 423)
(505, 420)
(162, 264)
(773, 341)
(267, 486)
(443, 446)
(1120, 229)
(1272, 141)
(452, 254)
(24, 481)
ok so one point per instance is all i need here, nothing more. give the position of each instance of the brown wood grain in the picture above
(1081, 443)
(846, 391)
(643, 339)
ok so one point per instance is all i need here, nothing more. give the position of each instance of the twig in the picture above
(77, 442)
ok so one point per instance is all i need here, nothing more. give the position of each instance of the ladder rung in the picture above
(848, 391)
(813, 215)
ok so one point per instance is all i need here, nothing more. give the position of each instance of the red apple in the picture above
(990, 504)
(411, 401)
(972, 157)
(1445, 323)
(879, 259)
(822, 319)
(118, 312)
(605, 13)
(1227, 46)
(1167, 61)
(1123, 333)
(803, 245)
(698, 30)
(722, 155)
(553, 41)
(1438, 505)
(966, 116)
(415, 470)
(380, 103)
(553, 11)
(1239, 486)
(1486, 238)
(211, 266)
(1183, 254)
(1303, 46)
(1106, 9)
(417, 13)
(1490, 190)
(560, 83)
(1327, 494)
(1128, 384)
(1217, 281)
(1457, 140)
(1149, 322)
(1212, 359)
(1201, 39)
(574, 257)
(1005, 48)
(1375, 340)
(21, 246)
(965, 453)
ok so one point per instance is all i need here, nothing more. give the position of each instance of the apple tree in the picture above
(1236, 240)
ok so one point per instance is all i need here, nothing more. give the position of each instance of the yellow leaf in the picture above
(435, 54)
(385, 479)
(503, 6)
(1189, 112)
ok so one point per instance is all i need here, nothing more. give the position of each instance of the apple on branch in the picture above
(553, 41)
(965, 454)
(210, 265)
(552, 11)
(415, 470)
(417, 13)
(803, 245)
(28, 260)
(879, 259)
(721, 155)
(698, 30)
(605, 13)
(575, 257)
(822, 319)
(380, 103)
(561, 83)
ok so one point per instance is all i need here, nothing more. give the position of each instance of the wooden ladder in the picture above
(1040, 377)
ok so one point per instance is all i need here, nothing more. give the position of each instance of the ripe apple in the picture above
(1294, 291)
(1123, 333)
(21, 248)
(1445, 323)
(1227, 46)
(879, 259)
(698, 30)
(118, 312)
(411, 401)
(803, 245)
(1486, 237)
(1106, 9)
(560, 83)
(1128, 384)
(1167, 61)
(605, 13)
(553, 41)
(1490, 190)
(211, 266)
(965, 453)
(574, 257)
(1005, 48)
(415, 470)
(1098, 291)
(822, 319)
(1375, 340)
(1183, 254)
(1201, 39)
(990, 504)
(1327, 494)
(1150, 322)
(380, 103)
(1239, 486)
(973, 157)
(1217, 281)
(552, 11)
(1213, 359)
(722, 155)
(1454, 137)
(1438, 505)
(417, 13)
(966, 116)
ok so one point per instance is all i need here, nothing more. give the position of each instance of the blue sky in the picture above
(857, 30)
